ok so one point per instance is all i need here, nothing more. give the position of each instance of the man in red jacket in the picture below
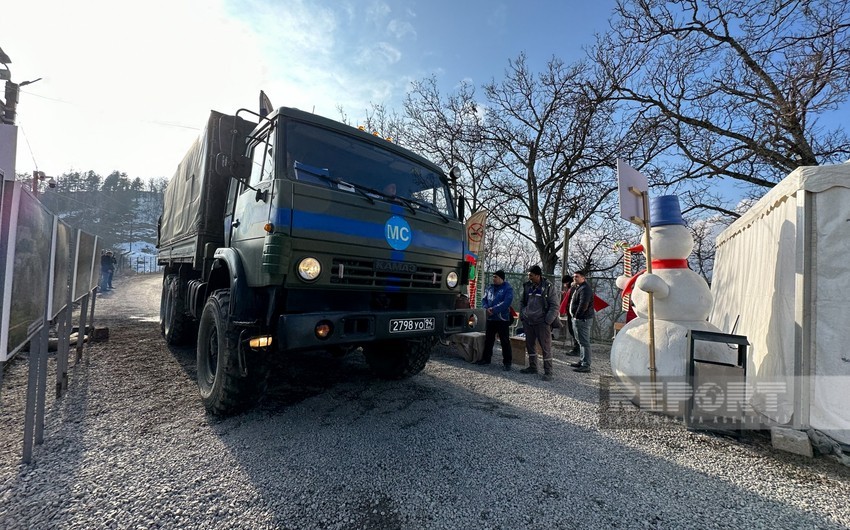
(567, 291)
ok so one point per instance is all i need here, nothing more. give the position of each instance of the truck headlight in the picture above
(309, 269)
(451, 279)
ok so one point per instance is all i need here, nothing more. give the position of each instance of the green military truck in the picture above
(295, 232)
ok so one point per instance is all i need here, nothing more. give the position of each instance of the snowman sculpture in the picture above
(681, 302)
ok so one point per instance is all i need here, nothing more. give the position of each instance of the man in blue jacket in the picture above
(497, 301)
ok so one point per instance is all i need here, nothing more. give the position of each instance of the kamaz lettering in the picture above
(395, 266)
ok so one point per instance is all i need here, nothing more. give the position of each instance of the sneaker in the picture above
(546, 377)
(529, 370)
(583, 369)
(506, 367)
(576, 364)
(481, 362)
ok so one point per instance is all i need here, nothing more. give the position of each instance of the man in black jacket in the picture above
(581, 311)
(538, 309)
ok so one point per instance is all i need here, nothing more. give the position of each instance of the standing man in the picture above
(112, 263)
(106, 267)
(581, 311)
(497, 301)
(538, 309)
(564, 310)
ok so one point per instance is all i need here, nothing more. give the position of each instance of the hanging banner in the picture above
(28, 245)
(475, 227)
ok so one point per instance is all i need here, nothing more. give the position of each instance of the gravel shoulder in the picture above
(458, 446)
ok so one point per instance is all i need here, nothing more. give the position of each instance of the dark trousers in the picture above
(569, 326)
(502, 328)
(582, 333)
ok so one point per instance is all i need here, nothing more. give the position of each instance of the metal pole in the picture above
(91, 311)
(647, 227)
(565, 251)
(41, 394)
(81, 334)
(61, 352)
(29, 411)
(565, 254)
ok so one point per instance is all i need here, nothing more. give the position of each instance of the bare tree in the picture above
(507, 251)
(737, 87)
(447, 129)
(380, 121)
(556, 142)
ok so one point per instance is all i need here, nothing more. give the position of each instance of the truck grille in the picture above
(362, 272)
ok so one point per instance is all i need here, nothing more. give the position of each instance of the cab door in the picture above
(253, 202)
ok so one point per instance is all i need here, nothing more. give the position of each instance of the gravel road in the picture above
(458, 446)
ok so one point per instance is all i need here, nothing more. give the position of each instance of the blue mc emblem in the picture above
(397, 233)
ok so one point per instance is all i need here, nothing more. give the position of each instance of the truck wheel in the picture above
(224, 390)
(398, 359)
(174, 322)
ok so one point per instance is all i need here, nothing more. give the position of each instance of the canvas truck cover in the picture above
(193, 203)
(782, 272)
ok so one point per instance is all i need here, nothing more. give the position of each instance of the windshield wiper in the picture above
(406, 202)
(427, 206)
(388, 197)
(339, 183)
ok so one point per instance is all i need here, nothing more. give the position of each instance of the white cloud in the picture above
(115, 75)
(401, 29)
(378, 54)
(377, 11)
(127, 86)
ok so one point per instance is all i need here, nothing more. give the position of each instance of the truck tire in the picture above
(398, 359)
(224, 390)
(175, 324)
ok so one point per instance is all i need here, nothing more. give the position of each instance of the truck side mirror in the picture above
(237, 167)
(461, 207)
(223, 165)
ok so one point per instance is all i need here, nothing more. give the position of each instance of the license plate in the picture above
(404, 325)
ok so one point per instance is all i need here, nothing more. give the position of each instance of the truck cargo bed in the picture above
(194, 201)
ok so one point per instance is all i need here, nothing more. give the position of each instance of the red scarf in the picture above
(656, 264)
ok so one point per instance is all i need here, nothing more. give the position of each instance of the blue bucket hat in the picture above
(665, 210)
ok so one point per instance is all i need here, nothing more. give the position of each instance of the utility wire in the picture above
(27, 140)
(89, 107)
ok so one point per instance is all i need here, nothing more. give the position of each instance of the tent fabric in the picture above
(814, 179)
(195, 197)
(184, 212)
(781, 278)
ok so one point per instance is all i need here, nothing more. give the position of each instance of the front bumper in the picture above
(295, 332)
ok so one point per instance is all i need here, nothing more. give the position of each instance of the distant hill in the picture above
(126, 220)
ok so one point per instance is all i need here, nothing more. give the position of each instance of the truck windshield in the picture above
(326, 158)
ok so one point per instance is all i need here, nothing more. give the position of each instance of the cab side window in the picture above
(262, 160)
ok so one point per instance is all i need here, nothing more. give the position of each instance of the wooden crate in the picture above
(520, 358)
(470, 346)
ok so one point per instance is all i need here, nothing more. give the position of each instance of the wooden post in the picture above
(647, 225)
(650, 308)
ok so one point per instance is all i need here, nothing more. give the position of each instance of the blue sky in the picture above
(126, 85)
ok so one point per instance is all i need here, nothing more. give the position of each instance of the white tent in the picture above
(782, 278)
